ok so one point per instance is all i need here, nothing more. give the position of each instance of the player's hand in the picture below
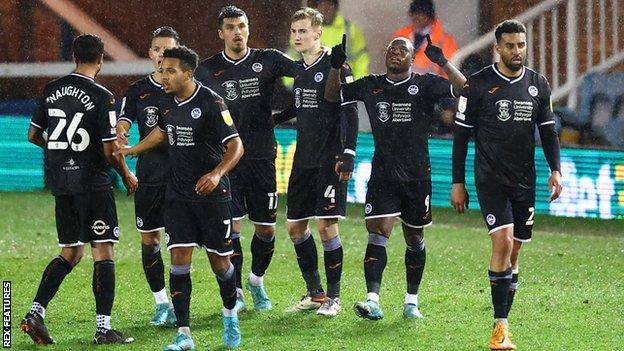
(122, 138)
(207, 183)
(344, 166)
(554, 185)
(125, 150)
(434, 53)
(131, 183)
(459, 197)
(339, 54)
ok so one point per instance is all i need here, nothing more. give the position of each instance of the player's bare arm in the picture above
(119, 164)
(233, 153)
(37, 136)
(123, 128)
(154, 139)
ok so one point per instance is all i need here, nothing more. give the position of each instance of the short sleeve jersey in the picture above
(197, 130)
(503, 113)
(400, 116)
(318, 120)
(141, 105)
(247, 86)
(79, 116)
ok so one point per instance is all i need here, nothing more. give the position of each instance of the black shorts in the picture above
(88, 217)
(254, 191)
(149, 207)
(199, 224)
(503, 206)
(410, 201)
(315, 193)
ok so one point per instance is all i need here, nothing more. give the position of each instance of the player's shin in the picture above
(333, 265)
(415, 257)
(499, 283)
(227, 287)
(51, 280)
(375, 261)
(307, 258)
(513, 286)
(237, 258)
(104, 291)
(262, 247)
(154, 269)
(181, 288)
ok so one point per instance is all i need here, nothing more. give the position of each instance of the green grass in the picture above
(571, 295)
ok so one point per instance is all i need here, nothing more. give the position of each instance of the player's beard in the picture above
(514, 67)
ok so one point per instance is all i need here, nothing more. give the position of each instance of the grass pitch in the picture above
(571, 293)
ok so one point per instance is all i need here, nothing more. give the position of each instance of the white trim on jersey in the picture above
(180, 103)
(238, 218)
(464, 125)
(318, 59)
(154, 82)
(81, 76)
(182, 245)
(506, 78)
(229, 137)
(144, 231)
(501, 227)
(125, 119)
(416, 226)
(400, 82)
(36, 125)
(222, 254)
(349, 151)
(383, 215)
(453, 91)
(110, 139)
(547, 122)
(348, 102)
(298, 219)
(236, 62)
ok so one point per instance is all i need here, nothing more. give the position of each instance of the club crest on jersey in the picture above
(257, 67)
(297, 97)
(491, 219)
(196, 113)
(383, 108)
(170, 130)
(99, 227)
(318, 77)
(412, 89)
(533, 90)
(151, 115)
(504, 108)
(230, 90)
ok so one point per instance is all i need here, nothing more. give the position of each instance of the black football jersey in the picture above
(197, 130)
(400, 116)
(503, 113)
(79, 116)
(247, 86)
(141, 104)
(318, 120)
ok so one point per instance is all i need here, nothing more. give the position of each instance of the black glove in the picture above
(434, 53)
(338, 54)
(345, 163)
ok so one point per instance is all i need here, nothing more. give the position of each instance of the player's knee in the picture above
(265, 231)
(327, 229)
(152, 238)
(73, 255)
(296, 229)
(414, 237)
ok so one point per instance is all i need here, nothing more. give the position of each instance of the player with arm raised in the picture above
(203, 145)
(316, 189)
(400, 106)
(79, 117)
(502, 105)
(246, 78)
(141, 105)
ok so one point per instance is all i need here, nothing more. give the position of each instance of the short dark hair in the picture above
(87, 48)
(426, 7)
(166, 32)
(188, 58)
(229, 12)
(509, 26)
